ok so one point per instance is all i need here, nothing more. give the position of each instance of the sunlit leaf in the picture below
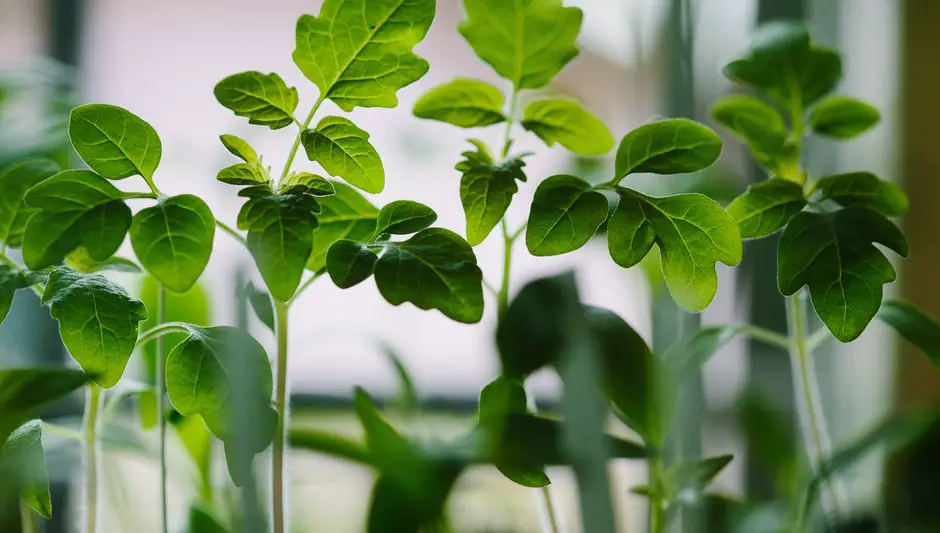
(240, 148)
(243, 174)
(346, 215)
(864, 189)
(404, 217)
(462, 102)
(343, 150)
(114, 142)
(486, 190)
(569, 124)
(15, 180)
(565, 214)
(671, 146)
(766, 207)
(264, 99)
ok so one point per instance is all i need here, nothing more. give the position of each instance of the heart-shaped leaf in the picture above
(671, 146)
(264, 99)
(350, 263)
(919, 328)
(404, 217)
(346, 215)
(565, 214)
(864, 189)
(114, 142)
(462, 102)
(240, 148)
(23, 462)
(842, 117)
(569, 124)
(766, 207)
(15, 180)
(343, 150)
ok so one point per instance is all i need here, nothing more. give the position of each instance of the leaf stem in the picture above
(657, 519)
(62, 431)
(28, 517)
(133, 195)
(293, 151)
(304, 286)
(280, 403)
(161, 405)
(765, 335)
(89, 431)
(160, 330)
(502, 297)
(510, 119)
(232, 233)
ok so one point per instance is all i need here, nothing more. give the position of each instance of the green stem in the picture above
(280, 403)
(502, 297)
(160, 330)
(510, 119)
(133, 195)
(765, 335)
(63, 431)
(90, 430)
(304, 126)
(657, 516)
(28, 517)
(234, 234)
(161, 405)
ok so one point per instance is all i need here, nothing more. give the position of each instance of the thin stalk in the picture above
(280, 403)
(502, 297)
(64, 432)
(293, 151)
(766, 336)
(161, 406)
(139, 195)
(232, 233)
(160, 330)
(28, 518)
(657, 516)
(304, 286)
(90, 430)
(550, 517)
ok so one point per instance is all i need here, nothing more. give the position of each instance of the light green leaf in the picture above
(404, 217)
(240, 148)
(98, 322)
(762, 126)
(864, 189)
(766, 207)
(260, 302)
(919, 328)
(80, 261)
(15, 180)
(564, 216)
(434, 269)
(842, 117)
(462, 102)
(75, 208)
(24, 391)
(358, 52)
(671, 146)
(280, 238)
(350, 263)
(346, 215)
(693, 233)
(24, 465)
(316, 185)
(173, 240)
(527, 42)
(244, 174)
(264, 99)
(486, 189)
(114, 142)
(11, 280)
(833, 254)
(569, 124)
(343, 150)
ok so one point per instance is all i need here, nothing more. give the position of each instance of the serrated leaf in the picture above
(98, 322)
(766, 207)
(346, 215)
(243, 174)
(24, 463)
(11, 280)
(344, 151)
(23, 391)
(358, 52)
(527, 42)
(565, 214)
(316, 185)
(841, 117)
(569, 124)
(239, 148)
(350, 263)
(462, 102)
(671, 146)
(485, 194)
(916, 326)
(833, 254)
(173, 240)
(15, 180)
(864, 189)
(75, 208)
(695, 475)
(260, 302)
(693, 233)
(434, 269)
(264, 99)
(404, 217)
(80, 261)
(114, 142)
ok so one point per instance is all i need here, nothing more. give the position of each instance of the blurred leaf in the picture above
(407, 390)
(80, 261)
(317, 441)
(12, 280)
(23, 463)
(755, 121)
(569, 124)
(695, 474)
(202, 521)
(565, 214)
(261, 304)
(842, 117)
(264, 99)
(771, 439)
(346, 215)
(916, 326)
(671, 146)
(498, 399)
(114, 142)
(343, 149)
(766, 207)
(15, 180)
(462, 102)
(864, 189)
(24, 391)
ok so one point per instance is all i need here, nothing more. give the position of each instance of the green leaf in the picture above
(15, 180)
(833, 254)
(80, 261)
(686, 356)
(565, 214)
(919, 328)
(766, 207)
(693, 233)
(98, 322)
(864, 189)
(316, 185)
(695, 475)
(114, 142)
(260, 302)
(264, 99)
(350, 263)
(569, 124)
(762, 126)
(244, 174)
(434, 269)
(11, 280)
(358, 53)
(462, 102)
(343, 150)
(173, 240)
(280, 238)
(24, 391)
(527, 42)
(240, 148)
(24, 463)
(671, 146)
(486, 189)
(404, 217)
(328, 443)
(191, 307)
(346, 215)
(75, 208)
(842, 117)
(527, 336)
(499, 398)
(203, 521)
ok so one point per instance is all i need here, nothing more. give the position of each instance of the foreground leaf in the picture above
(672, 146)
(916, 326)
(404, 217)
(462, 102)
(343, 150)
(864, 189)
(569, 124)
(12, 280)
(350, 263)
(842, 117)
(114, 142)
(346, 215)
(499, 399)
(486, 190)
(15, 180)
(264, 99)
(23, 462)
(240, 148)
(24, 391)
(564, 216)
(766, 207)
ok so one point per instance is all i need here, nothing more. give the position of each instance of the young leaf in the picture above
(23, 391)
(15, 180)
(864, 189)
(693, 233)
(240, 148)
(404, 217)
(76, 208)
(173, 240)
(919, 328)
(350, 263)
(114, 142)
(80, 261)
(98, 322)
(346, 215)
(316, 185)
(842, 117)
(358, 53)
(264, 99)
(24, 463)
(752, 119)
(11, 280)
(462, 102)
(244, 174)
(344, 151)
(486, 190)
(527, 42)
(833, 254)
(695, 475)
(569, 124)
(766, 207)
(565, 214)
(434, 269)
(261, 304)
(672, 146)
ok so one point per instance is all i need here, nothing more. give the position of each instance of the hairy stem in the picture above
(161, 405)
(293, 151)
(280, 403)
(90, 430)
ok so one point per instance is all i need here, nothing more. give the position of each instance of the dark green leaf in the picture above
(695, 475)
(98, 322)
(564, 216)
(358, 53)
(671, 146)
(404, 217)
(463, 102)
(499, 398)
(343, 150)
(842, 117)
(23, 391)
(316, 185)
(486, 189)
(264, 99)
(173, 240)
(261, 304)
(244, 174)
(864, 189)
(15, 180)
(528, 337)
(569, 124)
(203, 521)
(24, 464)
(114, 142)
(693, 233)
(833, 254)
(346, 215)
(350, 263)
(771, 440)
(240, 148)
(79, 260)
(527, 42)
(434, 269)
(766, 207)
(11, 280)
(919, 328)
